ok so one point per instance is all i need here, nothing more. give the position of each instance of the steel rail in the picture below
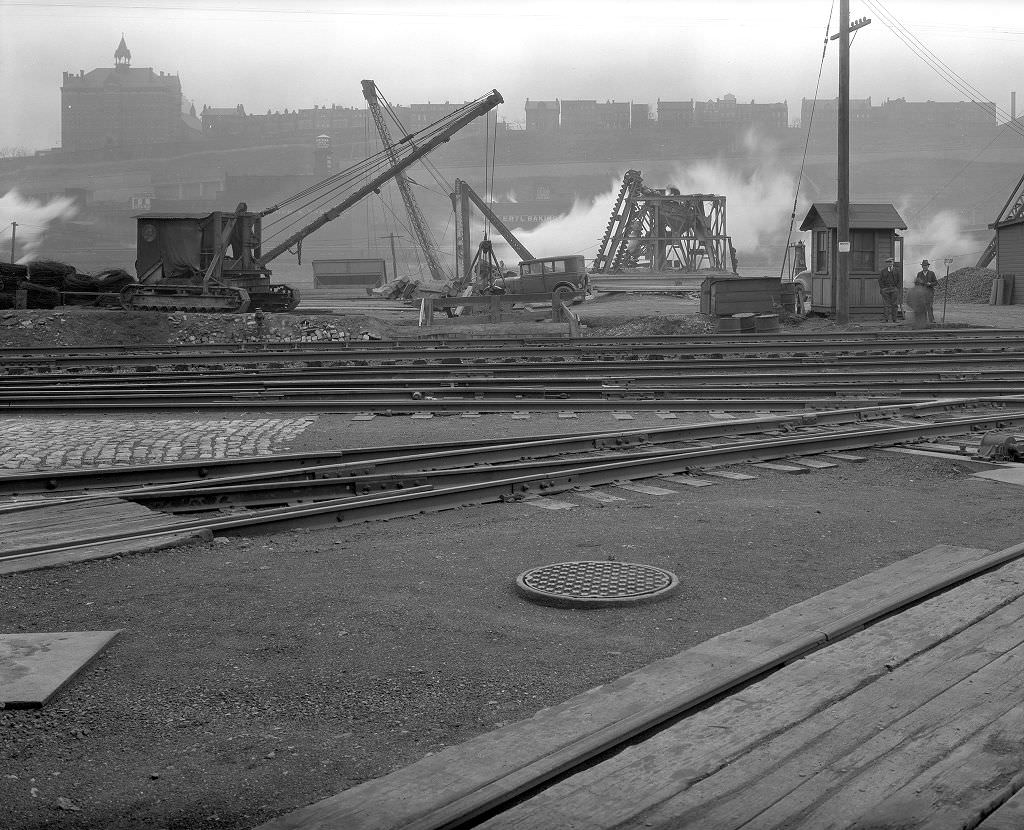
(446, 382)
(686, 395)
(208, 495)
(417, 456)
(554, 478)
(449, 340)
(576, 349)
(417, 370)
(748, 400)
(404, 457)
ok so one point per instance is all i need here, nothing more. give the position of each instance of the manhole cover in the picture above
(591, 584)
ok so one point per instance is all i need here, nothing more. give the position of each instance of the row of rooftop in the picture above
(125, 105)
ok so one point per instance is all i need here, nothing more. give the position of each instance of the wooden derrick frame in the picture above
(651, 228)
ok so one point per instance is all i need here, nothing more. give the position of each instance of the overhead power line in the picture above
(940, 67)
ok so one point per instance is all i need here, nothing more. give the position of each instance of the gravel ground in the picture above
(255, 675)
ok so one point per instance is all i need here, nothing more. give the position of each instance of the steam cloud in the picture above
(33, 218)
(942, 236)
(758, 205)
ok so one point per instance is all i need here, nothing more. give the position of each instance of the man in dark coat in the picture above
(926, 279)
(889, 284)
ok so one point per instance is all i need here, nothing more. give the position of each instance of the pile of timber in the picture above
(410, 288)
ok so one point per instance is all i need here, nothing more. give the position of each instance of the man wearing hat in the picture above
(926, 279)
(889, 284)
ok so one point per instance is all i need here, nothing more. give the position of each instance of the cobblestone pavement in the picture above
(51, 443)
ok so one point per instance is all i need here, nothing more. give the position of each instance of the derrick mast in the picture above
(416, 220)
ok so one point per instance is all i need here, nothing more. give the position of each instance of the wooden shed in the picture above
(873, 238)
(1010, 258)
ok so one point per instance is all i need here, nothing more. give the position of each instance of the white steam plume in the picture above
(940, 237)
(758, 206)
(577, 232)
(33, 218)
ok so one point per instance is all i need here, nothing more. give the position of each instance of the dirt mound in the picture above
(99, 327)
(966, 285)
(646, 326)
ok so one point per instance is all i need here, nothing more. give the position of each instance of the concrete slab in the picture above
(728, 474)
(813, 463)
(1007, 475)
(597, 495)
(649, 489)
(550, 504)
(781, 468)
(35, 666)
(689, 481)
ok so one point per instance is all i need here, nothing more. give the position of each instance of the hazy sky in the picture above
(276, 54)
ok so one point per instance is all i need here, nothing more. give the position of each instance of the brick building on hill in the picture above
(122, 107)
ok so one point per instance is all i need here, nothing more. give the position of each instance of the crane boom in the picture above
(499, 226)
(416, 220)
(481, 107)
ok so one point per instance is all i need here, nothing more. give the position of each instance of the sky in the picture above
(276, 54)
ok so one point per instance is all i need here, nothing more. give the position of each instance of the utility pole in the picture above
(14, 230)
(842, 284)
(843, 191)
(394, 259)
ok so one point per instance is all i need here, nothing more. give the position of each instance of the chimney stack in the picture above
(1013, 106)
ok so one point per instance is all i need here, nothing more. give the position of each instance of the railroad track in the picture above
(361, 485)
(451, 350)
(623, 374)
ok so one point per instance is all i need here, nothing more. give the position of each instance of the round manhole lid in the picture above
(595, 584)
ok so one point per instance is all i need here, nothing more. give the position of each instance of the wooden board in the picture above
(78, 522)
(102, 550)
(880, 718)
(499, 761)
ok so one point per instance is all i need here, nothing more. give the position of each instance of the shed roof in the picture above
(1006, 223)
(861, 216)
(167, 215)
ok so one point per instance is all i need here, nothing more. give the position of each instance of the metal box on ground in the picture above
(725, 296)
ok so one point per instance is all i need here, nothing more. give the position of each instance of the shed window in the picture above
(821, 252)
(862, 246)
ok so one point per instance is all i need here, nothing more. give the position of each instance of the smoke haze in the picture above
(33, 218)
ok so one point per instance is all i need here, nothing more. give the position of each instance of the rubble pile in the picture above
(266, 328)
(966, 285)
(653, 326)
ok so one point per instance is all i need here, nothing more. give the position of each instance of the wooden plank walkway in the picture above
(915, 721)
(82, 530)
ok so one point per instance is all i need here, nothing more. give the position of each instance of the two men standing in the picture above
(890, 284)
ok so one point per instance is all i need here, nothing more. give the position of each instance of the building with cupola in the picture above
(122, 107)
